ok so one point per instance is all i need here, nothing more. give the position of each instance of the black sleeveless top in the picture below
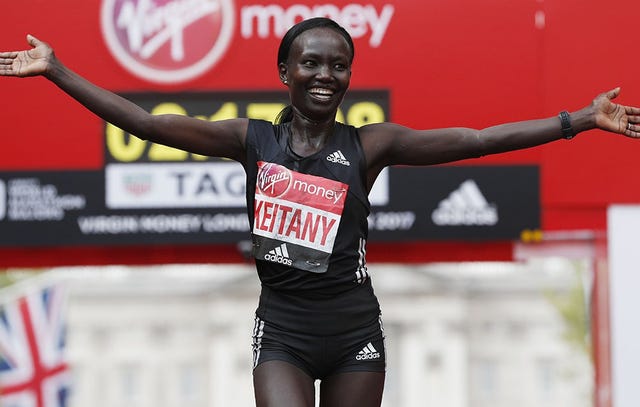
(308, 217)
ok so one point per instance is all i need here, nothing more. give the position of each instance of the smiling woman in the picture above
(308, 179)
(315, 64)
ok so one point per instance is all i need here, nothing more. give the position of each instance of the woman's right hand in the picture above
(32, 62)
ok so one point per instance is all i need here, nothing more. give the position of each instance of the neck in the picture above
(309, 136)
(312, 128)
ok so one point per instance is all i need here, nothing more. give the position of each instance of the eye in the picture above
(340, 67)
(309, 63)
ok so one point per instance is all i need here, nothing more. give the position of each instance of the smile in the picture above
(321, 93)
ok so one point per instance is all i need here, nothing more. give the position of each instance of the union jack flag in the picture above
(33, 370)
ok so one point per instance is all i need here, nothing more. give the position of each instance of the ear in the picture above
(282, 70)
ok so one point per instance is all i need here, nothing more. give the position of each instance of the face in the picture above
(317, 73)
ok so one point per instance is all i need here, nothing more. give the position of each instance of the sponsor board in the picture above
(175, 185)
(71, 208)
(465, 206)
(173, 41)
(458, 203)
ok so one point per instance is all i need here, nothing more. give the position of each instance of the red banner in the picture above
(454, 63)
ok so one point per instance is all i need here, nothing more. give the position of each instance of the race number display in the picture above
(296, 217)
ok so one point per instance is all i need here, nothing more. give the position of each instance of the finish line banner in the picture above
(68, 208)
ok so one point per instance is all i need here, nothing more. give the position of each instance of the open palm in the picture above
(28, 62)
(615, 117)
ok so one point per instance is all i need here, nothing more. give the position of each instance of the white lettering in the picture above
(268, 181)
(183, 223)
(161, 24)
(93, 225)
(295, 223)
(170, 223)
(225, 223)
(465, 217)
(264, 21)
(368, 356)
(278, 259)
(28, 199)
(392, 220)
(312, 189)
(379, 23)
(176, 185)
(338, 160)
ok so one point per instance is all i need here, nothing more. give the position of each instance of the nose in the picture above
(324, 72)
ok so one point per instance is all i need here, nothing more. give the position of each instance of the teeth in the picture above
(321, 91)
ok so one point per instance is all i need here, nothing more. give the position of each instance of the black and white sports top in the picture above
(308, 217)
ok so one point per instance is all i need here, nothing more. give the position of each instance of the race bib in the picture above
(296, 217)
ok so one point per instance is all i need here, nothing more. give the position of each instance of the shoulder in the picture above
(263, 134)
(381, 129)
(259, 127)
(259, 124)
(374, 130)
(379, 135)
(380, 140)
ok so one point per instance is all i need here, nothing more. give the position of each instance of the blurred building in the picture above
(458, 335)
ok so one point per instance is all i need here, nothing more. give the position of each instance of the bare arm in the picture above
(220, 139)
(390, 144)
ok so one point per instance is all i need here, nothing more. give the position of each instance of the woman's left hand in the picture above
(614, 117)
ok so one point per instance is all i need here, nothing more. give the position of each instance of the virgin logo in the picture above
(273, 180)
(167, 41)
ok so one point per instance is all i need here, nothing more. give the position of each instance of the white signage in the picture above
(624, 257)
(179, 185)
(3, 199)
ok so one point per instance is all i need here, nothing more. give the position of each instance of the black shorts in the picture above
(360, 350)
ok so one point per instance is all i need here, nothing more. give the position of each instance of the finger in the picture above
(632, 130)
(631, 110)
(8, 57)
(6, 70)
(33, 41)
(613, 93)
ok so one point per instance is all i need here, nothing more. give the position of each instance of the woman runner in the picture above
(308, 177)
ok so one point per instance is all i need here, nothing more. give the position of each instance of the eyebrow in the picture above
(313, 54)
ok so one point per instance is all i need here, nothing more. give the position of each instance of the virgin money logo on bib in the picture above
(273, 180)
(167, 41)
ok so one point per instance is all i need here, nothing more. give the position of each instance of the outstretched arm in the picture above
(220, 139)
(391, 144)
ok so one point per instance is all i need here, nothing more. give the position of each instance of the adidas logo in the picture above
(339, 158)
(368, 353)
(279, 255)
(466, 206)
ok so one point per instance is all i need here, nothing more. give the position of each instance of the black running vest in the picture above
(308, 217)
